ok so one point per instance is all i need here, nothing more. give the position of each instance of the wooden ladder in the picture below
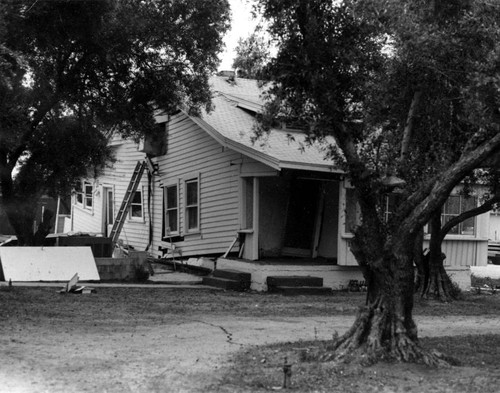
(127, 199)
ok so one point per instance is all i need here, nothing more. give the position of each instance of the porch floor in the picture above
(297, 261)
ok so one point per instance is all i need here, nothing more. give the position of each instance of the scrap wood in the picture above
(84, 290)
(71, 287)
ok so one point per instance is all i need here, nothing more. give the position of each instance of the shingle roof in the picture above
(232, 123)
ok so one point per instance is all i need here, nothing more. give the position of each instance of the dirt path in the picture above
(183, 355)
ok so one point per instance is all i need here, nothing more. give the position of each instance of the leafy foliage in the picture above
(252, 54)
(70, 70)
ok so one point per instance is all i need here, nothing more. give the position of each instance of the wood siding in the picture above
(191, 152)
(134, 232)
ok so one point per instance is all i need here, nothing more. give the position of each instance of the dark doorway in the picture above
(301, 218)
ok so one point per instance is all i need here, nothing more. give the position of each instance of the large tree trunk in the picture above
(384, 328)
(437, 283)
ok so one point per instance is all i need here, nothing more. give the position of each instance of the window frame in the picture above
(141, 204)
(88, 196)
(188, 207)
(166, 209)
(462, 208)
(84, 195)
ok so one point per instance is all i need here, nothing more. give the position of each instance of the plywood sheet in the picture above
(47, 263)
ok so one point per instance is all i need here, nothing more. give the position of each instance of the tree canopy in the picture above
(252, 54)
(70, 70)
(409, 90)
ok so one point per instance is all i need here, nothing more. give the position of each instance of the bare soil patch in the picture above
(177, 340)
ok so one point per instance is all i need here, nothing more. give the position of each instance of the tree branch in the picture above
(408, 131)
(443, 184)
(485, 207)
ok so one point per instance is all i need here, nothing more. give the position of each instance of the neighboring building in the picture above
(291, 208)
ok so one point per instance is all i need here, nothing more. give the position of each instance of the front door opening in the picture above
(302, 215)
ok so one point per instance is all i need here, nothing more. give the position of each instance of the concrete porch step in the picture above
(226, 283)
(232, 275)
(302, 290)
(294, 281)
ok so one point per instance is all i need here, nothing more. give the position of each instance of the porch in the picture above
(334, 276)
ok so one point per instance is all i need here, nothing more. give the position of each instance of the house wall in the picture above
(135, 231)
(192, 152)
(464, 252)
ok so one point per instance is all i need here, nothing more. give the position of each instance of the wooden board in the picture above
(48, 263)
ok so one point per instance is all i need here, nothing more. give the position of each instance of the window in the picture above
(84, 194)
(136, 210)
(456, 205)
(88, 190)
(192, 205)
(171, 204)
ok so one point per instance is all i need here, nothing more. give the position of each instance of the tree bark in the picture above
(437, 282)
(384, 328)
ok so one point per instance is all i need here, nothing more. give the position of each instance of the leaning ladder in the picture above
(127, 199)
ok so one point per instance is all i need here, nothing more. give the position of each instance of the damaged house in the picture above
(275, 207)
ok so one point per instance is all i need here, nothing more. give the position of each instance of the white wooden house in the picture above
(209, 182)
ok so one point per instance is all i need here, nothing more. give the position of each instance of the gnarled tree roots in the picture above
(377, 335)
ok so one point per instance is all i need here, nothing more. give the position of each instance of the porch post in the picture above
(255, 243)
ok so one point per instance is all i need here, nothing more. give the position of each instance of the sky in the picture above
(242, 25)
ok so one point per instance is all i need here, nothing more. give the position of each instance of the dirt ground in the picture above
(59, 343)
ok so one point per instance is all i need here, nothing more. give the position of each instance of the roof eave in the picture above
(310, 167)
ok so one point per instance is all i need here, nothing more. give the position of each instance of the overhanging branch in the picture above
(485, 207)
(441, 186)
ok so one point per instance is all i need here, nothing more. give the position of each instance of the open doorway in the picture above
(302, 218)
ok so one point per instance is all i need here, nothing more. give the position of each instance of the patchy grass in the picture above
(260, 369)
(481, 281)
(469, 305)
(152, 304)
